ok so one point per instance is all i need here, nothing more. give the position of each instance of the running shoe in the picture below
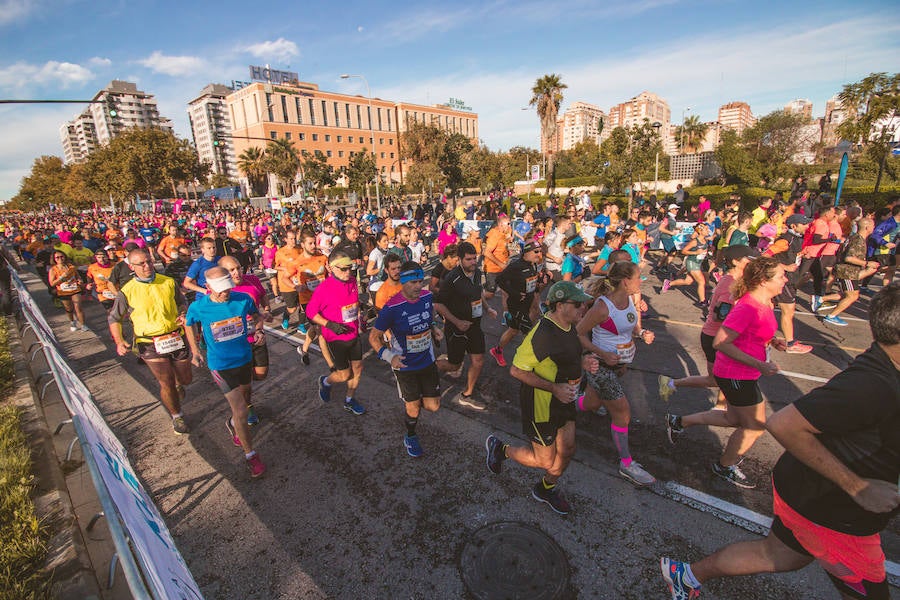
(84, 327)
(798, 348)
(231, 431)
(495, 455)
(815, 303)
(667, 283)
(252, 417)
(256, 466)
(733, 475)
(717, 276)
(303, 328)
(469, 401)
(73, 326)
(285, 322)
(673, 427)
(353, 406)
(835, 320)
(304, 356)
(497, 353)
(179, 426)
(673, 572)
(324, 389)
(552, 497)
(636, 473)
(827, 305)
(665, 388)
(413, 448)
(507, 319)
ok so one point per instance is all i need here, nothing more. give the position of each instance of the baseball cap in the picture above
(797, 219)
(531, 246)
(731, 253)
(563, 291)
(673, 207)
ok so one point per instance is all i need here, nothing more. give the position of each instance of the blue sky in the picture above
(697, 54)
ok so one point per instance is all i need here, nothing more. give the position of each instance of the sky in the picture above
(696, 54)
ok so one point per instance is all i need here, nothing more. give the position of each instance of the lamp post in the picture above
(656, 126)
(684, 110)
(372, 133)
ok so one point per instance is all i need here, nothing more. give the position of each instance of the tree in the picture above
(361, 171)
(281, 158)
(442, 151)
(482, 168)
(581, 161)
(220, 180)
(546, 97)
(424, 177)
(317, 172)
(44, 185)
(251, 163)
(737, 163)
(691, 134)
(773, 142)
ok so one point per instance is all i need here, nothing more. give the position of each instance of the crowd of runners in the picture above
(199, 286)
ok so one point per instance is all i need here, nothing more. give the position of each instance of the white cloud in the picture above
(22, 75)
(99, 61)
(281, 50)
(16, 10)
(176, 66)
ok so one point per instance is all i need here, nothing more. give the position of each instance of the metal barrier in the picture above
(153, 567)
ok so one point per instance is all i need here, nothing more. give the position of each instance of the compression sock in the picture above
(411, 425)
(620, 439)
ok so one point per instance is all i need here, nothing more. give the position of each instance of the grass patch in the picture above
(22, 537)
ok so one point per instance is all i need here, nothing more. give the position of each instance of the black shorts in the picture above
(885, 260)
(520, 320)
(706, 342)
(544, 433)
(107, 304)
(461, 342)
(231, 379)
(147, 351)
(490, 282)
(847, 285)
(260, 355)
(290, 299)
(343, 352)
(415, 385)
(740, 392)
(668, 244)
(788, 294)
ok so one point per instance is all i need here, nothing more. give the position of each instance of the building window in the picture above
(312, 112)
(381, 141)
(324, 113)
(299, 118)
(352, 153)
(347, 110)
(350, 139)
(328, 153)
(389, 120)
(318, 153)
(273, 135)
(327, 138)
(301, 136)
(287, 135)
(315, 137)
(337, 118)
(284, 116)
(392, 155)
(382, 155)
(390, 141)
(358, 117)
(269, 106)
(379, 119)
(340, 154)
(340, 138)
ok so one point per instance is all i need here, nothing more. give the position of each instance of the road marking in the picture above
(809, 314)
(804, 376)
(738, 515)
(699, 325)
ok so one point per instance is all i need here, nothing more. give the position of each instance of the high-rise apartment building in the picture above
(645, 105)
(211, 129)
(97, 126)
(800, 106)
(581, 122)
(335, 125)
(736, 116)
(835, 113)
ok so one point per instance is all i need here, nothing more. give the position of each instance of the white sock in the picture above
(689, 576)
(348, 399)
(250, 454)
(177, 415)
(672, 383)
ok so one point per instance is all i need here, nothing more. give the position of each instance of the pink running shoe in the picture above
(497, 353)
(256, 466)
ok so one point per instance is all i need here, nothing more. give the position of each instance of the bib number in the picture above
(168, 343)
(227, 329)
(418, 342)
(312, 283)
(476, 309)
(68, 286)
(531, 284)
(350, 313)
(625, 352)
(108, 295)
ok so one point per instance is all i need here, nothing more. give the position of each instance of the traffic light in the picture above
(216, 143)
(111, 108)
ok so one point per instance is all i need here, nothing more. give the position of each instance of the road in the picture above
(343, 512)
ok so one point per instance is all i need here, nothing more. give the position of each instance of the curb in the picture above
(67, 563)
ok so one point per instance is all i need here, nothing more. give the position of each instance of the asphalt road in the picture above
(343, 512)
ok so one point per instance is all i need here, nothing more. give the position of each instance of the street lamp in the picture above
(656, 126)
(372, 133)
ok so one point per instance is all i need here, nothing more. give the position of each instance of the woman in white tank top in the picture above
(608, 330)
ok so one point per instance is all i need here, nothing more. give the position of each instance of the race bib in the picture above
(68, 286)
(168, 343)
(531, 284)
(701, 256)
(476, 308)
(295, 280)
(227, 329)
(312, 284)
(418, 342)
(108, 295)
(350, 313)
(625, 352)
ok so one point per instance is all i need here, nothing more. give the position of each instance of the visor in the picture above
(342, 261)
(220, 284)
(574, 242)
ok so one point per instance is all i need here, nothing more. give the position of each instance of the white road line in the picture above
(740, 516)
(843, 316)
(804, 376)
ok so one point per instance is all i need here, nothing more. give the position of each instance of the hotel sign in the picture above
(457, 104)
(268, 75)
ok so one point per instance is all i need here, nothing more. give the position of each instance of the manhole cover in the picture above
(514, 561)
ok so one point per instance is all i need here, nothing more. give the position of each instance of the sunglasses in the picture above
(342, 269)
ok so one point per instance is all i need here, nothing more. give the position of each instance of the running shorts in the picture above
(521, 321)
(606, 383)
(788, 294)
(343, 352)
(544, 433)
(847, 285)
(461, 342)
(291, 299)
(415, 385)
(490, 282)
(706, 342)
(231, 379)
(740, 392)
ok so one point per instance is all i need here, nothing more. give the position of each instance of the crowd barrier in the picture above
(153, 566)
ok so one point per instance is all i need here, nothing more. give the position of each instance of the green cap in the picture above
(563, 291)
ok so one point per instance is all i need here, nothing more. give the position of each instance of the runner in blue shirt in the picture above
(409, 316)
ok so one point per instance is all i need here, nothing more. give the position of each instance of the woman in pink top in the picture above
(720, 304)
(448, 235)
(741, 345)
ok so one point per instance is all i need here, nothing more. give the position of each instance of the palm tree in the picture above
(283, 160)
(546, 96)
(691, 134)
(251, 163)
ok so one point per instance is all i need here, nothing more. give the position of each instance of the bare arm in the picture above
(597, 314)
(724, 343)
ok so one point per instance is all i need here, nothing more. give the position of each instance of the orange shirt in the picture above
(70, 285)
(287, 258)
(497, 243)
(388, 290)
(100, 277)
(239, 235)
(310, 272)
(167, 246)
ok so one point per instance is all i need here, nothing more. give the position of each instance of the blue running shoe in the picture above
(353, 406)
(835, 320)
(495, 454)
(285, 323)
(413, 448)
(673, 572)
(303, 328)
(815, 303)
(252, 417)
(324, 389)
(507, 319)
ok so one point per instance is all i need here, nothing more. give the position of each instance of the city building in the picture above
(335, 125)
(736, 116)
(96, 125)
(801, 107)
(645, 105)
(211, 129)
(581, 122)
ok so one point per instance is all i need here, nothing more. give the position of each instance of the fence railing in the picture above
(153, 566)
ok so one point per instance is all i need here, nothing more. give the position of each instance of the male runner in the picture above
(311, 271)
(520, 282)
(549, 364)
(448, 262)
(496, 254)
(391, 286)
(195, 280)
(156, 307)
(286, 259)
(225, 318)
(409, 316)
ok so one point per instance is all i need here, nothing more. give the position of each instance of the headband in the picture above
(412, 275)
(574, 241)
